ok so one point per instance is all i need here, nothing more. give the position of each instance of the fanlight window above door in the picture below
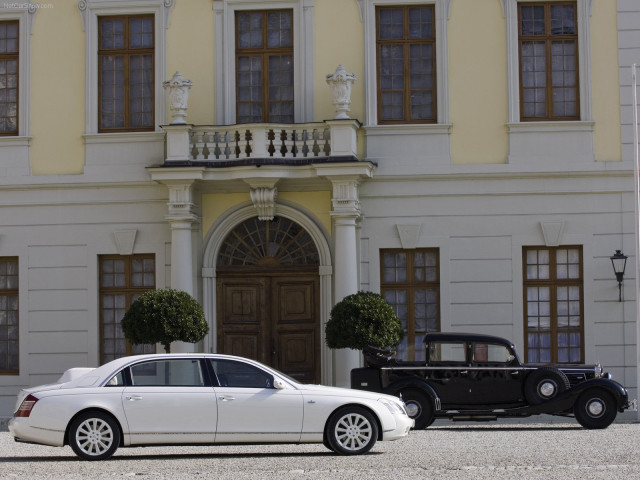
(277, 242)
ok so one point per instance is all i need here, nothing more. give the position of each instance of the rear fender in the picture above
(565, 400)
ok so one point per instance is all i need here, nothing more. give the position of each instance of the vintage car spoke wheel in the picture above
(352, 431)
(94, 436)
(419, 407)
(595, 409)
(544, 384)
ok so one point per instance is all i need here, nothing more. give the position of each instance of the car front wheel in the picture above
(352, 431)
(595, 409)
(419, 407)
(94, 436)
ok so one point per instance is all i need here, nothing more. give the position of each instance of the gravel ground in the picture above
(541, 448)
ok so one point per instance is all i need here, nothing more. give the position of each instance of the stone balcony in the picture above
(261, 144)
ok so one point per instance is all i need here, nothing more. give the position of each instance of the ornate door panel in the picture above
(241, 308)
(268, 296)
(296, 329)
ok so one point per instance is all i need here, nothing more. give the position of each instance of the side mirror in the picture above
(278, 384)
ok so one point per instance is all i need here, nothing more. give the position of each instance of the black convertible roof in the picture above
(465, 337)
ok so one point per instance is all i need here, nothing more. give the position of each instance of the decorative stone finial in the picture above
(340, 83)
(178, 88)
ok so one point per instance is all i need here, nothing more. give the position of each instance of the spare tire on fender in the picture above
(544, 384)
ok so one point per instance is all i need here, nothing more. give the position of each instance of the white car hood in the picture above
(323, 389)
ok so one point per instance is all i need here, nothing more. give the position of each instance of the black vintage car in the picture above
(479, 377)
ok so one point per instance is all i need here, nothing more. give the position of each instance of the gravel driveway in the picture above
(535, 449)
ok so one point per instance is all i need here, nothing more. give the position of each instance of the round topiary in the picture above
(362, 319)
(164, 316)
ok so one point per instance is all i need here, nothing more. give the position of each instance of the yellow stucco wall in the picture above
(605, 81)
(477, 82)
(190, 40)
(339, 40)
(57, 94)
(214, 205)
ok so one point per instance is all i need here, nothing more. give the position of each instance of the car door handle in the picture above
(464, 372)
(226, 398)
(133, 398)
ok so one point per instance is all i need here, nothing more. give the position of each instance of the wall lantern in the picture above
(619, 262)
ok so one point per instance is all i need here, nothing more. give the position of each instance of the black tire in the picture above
(595, 409)
(419, 407)
(94, 435)
(351, 430)
(544, 384)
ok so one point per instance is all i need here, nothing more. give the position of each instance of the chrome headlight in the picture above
(394, 407)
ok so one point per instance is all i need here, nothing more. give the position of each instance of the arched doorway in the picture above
(267, 290)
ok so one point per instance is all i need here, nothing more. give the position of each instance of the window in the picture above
(292, 20)
(122, 280)
(548, 41)
(264, 62)
(9, 66)
(553, 307)
(240, 375)
(9, 316)
(411, 284)
(168, 373)
(405, 44)
(126, 73)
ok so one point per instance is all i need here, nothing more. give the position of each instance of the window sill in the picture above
(122, 137)
(409, 129)
(14, 141)
(550, 127)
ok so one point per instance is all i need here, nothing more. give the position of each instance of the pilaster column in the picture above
(345, 213)
(181, 218)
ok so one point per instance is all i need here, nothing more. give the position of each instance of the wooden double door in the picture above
(273, 318)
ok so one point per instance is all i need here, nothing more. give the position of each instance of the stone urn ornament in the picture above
(340, 83)
(178, 88)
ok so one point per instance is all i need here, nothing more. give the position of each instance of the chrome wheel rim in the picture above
(413, 409)
(353, 432)
(547, 389)
(596, 408)
(94, 437)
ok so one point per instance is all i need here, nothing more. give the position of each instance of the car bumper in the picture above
(21, 431)
(403, 425)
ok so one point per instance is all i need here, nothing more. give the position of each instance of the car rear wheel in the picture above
(544, 384)
(595, 409)
(352, 431)
(419, 407)
(94, 436)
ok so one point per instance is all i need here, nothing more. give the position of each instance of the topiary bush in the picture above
(361, 319)
(164, 316)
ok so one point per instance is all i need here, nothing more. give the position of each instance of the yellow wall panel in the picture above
(477, 79)
(57, 91)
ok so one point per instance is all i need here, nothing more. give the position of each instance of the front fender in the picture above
(395, 389)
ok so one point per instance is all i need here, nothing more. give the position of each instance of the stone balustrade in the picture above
(273, 143)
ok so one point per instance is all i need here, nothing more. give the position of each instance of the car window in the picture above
(446, 352)
(168, 373)
(488, 353)
(231, 373)
(116, 381)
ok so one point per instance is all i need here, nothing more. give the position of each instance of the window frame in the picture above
(8, 56)
(12, 292)
(548, 38)
(441, 105)
(90, 10)
(410, 286)
(406, 43)
(584, 9)
(128, 291)
(553, 283)
(25, 17)
(127, 52)
(225, 49)
(264, 52)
